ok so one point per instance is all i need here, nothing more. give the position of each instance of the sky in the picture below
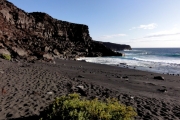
(139, 23)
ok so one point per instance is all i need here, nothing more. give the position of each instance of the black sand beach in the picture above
(27, 88)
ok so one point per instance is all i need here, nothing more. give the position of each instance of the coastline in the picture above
(26, 86)
(157, 60)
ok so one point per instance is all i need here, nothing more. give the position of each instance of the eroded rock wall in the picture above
(39, 36)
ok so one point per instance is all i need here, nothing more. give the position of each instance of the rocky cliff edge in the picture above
(33, 36)
(116, 47)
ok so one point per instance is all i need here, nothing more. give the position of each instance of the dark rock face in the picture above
(116, 47)
(39, 36)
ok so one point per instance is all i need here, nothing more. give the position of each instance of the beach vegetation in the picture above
(74, 107)
(6, 56)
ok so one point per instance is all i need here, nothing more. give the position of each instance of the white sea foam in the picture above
(165, 61)
(160, 66)
(158, 59)
(132, 50)
(110, 60)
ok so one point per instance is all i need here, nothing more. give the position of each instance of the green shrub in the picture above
(7, 57)
(72, 107)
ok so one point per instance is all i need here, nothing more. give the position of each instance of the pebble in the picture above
(49, 93)
(163, 90)
(80, 86)
(122, 63)
(132, 97)
(125, 77)
(118, 76)
(80, 76)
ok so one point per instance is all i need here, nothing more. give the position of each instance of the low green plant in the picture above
(7, 57)
(73, 107)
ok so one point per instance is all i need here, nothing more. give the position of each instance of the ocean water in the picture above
(158, 60)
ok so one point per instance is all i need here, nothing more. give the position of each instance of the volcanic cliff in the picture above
(37, 35)
(117, 47)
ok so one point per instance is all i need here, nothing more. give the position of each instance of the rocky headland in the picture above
(33, 36)
(116, 47)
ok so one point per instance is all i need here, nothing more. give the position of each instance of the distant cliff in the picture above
(37, 35)
(116, 47)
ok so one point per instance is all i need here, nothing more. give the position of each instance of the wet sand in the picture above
(27, 88)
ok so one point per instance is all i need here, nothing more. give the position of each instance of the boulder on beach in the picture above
(159, 77)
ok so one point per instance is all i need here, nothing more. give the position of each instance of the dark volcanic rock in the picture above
(39, 36)
(116, 47)
(159, 77)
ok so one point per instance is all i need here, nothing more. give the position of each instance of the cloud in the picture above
(148, 26)
(112, 36)
(164, 38)
(167, 35)
(161, 35)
